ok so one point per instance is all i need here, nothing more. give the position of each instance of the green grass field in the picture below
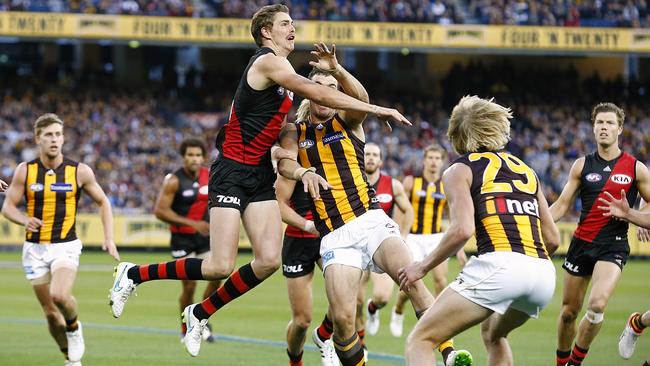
(251, 330)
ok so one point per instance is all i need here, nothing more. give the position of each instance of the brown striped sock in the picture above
(181, 269)
(350, 351)
(71, 325)
(636, 324)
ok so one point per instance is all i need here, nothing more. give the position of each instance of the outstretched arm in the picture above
(278, 70)
(457, 181)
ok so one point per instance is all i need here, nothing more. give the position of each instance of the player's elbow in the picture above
(463, 231)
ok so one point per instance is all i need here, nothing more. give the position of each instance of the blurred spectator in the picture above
(569, 13)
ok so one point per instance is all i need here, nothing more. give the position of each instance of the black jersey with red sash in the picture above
(301, 203)
(599, 176)
(384, 193)
(256, 117)
(191, 199)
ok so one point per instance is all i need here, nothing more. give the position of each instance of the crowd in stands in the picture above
(130, 137)
(570, 13)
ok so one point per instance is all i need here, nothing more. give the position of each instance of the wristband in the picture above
(309, 225)
(300, 172)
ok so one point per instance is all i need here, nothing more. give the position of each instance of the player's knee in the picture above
(597, 305)
(594, 317)
(60, 299)
(344, 322)
(301, 321)
(268, 264)
(215, 270)
(569, 314)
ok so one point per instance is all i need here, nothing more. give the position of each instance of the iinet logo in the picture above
(502, 205)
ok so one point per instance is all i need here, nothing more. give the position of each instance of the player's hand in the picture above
(310, 227)
(642, 234)
(33, 224)
(409, 275)
(325, 59)
(202, 227)
(612, 207)
(3, 186)
(387, 114)
(109, 246)
(313, 183)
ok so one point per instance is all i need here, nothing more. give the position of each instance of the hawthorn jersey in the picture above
(428, 200)
(256, 117)
(384, 193)
(337, 155)
(191, 199)
(301, 203)
(52, 196)
(599, 176)
(506, 211)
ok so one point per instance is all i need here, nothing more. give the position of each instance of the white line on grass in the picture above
(219, 337)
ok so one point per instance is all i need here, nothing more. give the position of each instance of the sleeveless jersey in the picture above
(384, 192)
(191, 199)
(301, 203)
(599, 176)
(256, 117)
(337, 155)
(428, 200)
(52, 196)
(506, 211)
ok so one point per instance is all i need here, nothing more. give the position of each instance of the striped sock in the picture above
(350, 351)
(325, 329)
(295, 360)
(445, 348)
(636, 324)
(362, 336)
(372, 308)
(72, 324)
(181, 269)
(240, 282)
(577, 355)
(562, 357)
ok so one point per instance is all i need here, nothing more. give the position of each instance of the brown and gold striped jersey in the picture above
(52, 196)
(428, 200)
(506, 211)
(337, 155)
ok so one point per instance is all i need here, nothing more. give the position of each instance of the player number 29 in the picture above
(513, 163)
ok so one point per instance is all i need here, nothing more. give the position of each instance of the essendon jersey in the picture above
(599, 176)
(506, 211)
(301, 203)
(428, 200)
(191, 199)
(256, 117)
(52, 196)
(337, 155)
(384, 193)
